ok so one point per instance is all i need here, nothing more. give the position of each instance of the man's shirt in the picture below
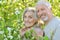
(52, 29)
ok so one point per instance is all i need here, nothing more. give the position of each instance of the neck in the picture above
(34, 25)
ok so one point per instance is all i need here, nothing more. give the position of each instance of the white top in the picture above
(52, 29)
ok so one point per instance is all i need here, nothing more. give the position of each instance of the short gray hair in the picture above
(30, 9)
(43, 2)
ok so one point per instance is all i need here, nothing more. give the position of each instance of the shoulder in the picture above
(58, 22)
(57, 19)
(55, 22)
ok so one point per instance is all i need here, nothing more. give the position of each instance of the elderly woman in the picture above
(30, 22)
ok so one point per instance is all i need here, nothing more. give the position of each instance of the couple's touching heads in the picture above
(31, 21)
(32, 15)
(41, 12)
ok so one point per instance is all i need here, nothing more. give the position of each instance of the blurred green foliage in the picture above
(11, 16)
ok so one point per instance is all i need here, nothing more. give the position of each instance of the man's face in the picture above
(43, 12)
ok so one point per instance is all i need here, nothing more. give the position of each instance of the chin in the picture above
(27, 25)
(45, 20)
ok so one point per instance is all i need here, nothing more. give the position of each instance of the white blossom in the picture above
(19, 3)
(10, 36)
(59, 5)
(14, 31)
(9, 29)
(14, 1)
(16, 8)
(17, 12)
(4, 35)
(18, 20)
(5, 39)
(18, 36)
(0, 1)
(0, 17)
(1, 32)
(4, 1)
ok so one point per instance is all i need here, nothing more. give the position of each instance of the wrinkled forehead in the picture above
(29, 13)
(46, 4)
(41, 7)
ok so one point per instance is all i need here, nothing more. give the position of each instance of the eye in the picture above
(37, 10)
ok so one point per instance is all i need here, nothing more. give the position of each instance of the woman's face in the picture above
(29, 19)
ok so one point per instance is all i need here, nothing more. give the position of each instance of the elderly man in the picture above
(52, 24)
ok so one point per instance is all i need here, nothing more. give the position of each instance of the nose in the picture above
(26, 19)
(39, 13)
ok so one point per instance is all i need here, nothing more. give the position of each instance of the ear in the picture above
(51, 9)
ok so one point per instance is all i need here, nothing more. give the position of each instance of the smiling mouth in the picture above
(42, 15)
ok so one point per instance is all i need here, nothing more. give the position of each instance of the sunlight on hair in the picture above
(44, 2)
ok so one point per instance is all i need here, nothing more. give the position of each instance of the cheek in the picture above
(48, 13)
(38, 13)
(32, 21)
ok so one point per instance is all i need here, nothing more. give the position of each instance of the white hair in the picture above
(30, 9)
(44, 2)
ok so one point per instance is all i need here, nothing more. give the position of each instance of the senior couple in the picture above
(41, 14)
